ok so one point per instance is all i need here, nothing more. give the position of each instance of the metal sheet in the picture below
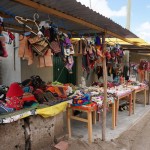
(70, 7)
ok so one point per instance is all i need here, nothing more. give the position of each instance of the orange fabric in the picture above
(41, 61)
(24, 49)
(46, 60)
(51, 89)
(141, 74)
(60, 91)
(92, 106)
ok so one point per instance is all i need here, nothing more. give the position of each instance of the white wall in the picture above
(21, 71)
(9, 72)
(45, 73)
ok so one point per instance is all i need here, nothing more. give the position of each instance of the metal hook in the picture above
(21, 20)
(49, 19)
(35, 16)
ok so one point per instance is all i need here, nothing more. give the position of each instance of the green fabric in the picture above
(17, 112)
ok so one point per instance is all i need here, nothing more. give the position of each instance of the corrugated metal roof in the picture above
(70, 7)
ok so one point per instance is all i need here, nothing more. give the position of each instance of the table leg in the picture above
(130, 104)
(116, 110)
(113, 116)
(133, 101)
(69, 122)
(145, 97)
(94, 117)
(90, 126)
(148, 97)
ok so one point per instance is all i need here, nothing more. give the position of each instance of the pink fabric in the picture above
(2, 39)
(70, 63)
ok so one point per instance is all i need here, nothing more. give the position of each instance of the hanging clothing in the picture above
(99, 71)
(70, 63)
(3, 51)
(46, 60)
(125, 71)
(25, 51)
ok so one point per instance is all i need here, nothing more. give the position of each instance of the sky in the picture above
(116, 10)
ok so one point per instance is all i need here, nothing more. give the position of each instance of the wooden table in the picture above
(113, 114)
(135, 91)
(127, 95)
(91, 117)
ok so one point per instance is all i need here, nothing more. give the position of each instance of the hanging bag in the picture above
(54, 45)
(39, 44)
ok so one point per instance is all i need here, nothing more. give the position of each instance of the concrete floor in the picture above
(125, 122)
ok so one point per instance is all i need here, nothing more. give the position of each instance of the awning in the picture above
(69, 15)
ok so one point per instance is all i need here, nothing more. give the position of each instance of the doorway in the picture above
(61, 74)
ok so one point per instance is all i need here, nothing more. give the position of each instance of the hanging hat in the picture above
(14, 90)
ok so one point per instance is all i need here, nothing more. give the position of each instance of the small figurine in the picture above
(83, 83)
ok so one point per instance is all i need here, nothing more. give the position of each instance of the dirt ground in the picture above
(136, 138)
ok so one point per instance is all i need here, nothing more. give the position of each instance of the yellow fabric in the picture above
(52, 110)
(112, 41)
(138, 41)
(24, 115)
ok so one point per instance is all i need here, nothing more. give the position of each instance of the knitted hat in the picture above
(14, 90)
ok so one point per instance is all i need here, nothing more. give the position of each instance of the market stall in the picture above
(41, 38)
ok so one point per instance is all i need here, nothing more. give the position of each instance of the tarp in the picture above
(44, 111)
(52, 110)
(11, 117)
(112, 41)
(138, 41)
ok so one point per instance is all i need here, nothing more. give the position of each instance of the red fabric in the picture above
(15, 103)
(14, 90)
(28, 98)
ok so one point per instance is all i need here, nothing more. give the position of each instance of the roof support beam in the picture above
(136, 49)
(29, 22)
(57, 13)
(4, 15)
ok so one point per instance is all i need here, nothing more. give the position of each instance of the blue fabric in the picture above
(27, 33)
(4, 109)
(97, 41)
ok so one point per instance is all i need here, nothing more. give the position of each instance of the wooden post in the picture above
(148, 88)
(105, 91)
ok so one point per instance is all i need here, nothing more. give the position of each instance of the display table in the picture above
(138, 90)
(126, 94)
(91, 115)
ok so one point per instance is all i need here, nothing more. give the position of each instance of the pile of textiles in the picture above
(48, 94)
(15, 99)
(109, 84)
(80, 98)
(30, 93)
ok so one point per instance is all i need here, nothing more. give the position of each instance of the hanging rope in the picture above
(60, 73)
